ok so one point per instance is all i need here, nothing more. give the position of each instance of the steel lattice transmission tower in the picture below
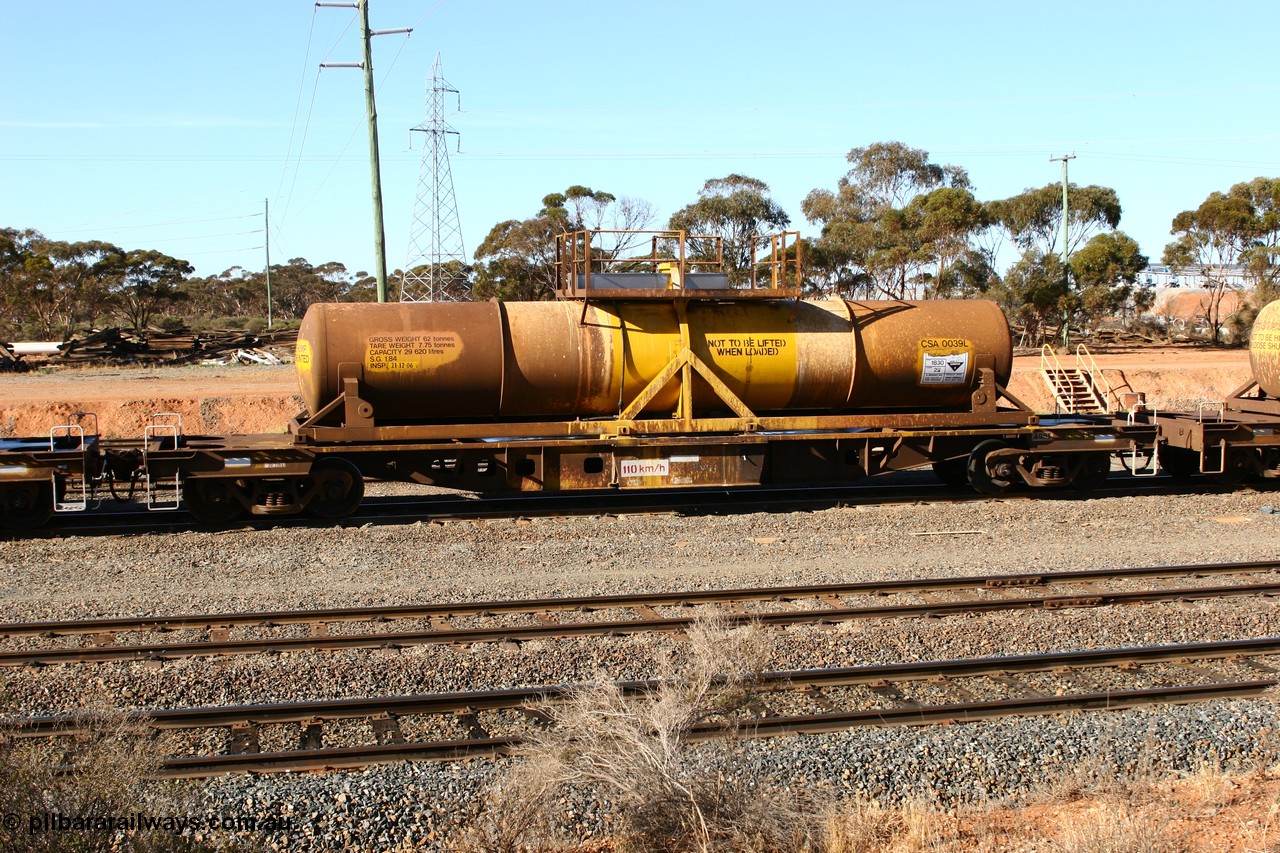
(435, 271)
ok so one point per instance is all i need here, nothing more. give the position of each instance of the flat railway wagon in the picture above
(1236, 439)
(648, 372)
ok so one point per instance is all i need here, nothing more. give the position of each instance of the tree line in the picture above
(50, 289)
(895, 225)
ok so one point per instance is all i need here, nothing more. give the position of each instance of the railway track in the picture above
(451, 726)
(903, 487)
(515, 621)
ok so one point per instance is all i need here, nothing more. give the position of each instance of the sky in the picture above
(172, 125)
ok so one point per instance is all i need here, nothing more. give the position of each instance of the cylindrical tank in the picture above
(474, 360)
(1264, 349)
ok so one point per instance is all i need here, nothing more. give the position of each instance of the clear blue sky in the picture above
(164, 125)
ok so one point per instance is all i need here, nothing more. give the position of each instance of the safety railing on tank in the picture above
(604, 263)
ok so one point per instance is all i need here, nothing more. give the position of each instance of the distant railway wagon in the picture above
(648, 372)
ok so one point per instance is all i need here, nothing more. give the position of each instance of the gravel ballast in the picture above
(382, 807)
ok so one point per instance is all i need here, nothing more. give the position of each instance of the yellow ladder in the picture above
(1078, 390)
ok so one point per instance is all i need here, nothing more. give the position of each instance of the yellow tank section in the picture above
(1264, 349)
(452, 361)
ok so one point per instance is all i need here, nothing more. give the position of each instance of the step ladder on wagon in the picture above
(1081, 389)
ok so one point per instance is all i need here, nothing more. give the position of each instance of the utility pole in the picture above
(1066, 282)
(266, 229)
(371, 110)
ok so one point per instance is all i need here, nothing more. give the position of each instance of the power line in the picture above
(428, 14)
(297, 167)
(302, 81)
(224, 251)
(202, 236)
(172, 222)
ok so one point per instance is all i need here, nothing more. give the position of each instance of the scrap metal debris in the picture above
(179, 346)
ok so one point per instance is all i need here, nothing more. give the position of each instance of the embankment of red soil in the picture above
(217, 400)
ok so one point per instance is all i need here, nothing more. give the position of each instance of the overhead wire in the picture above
(310, 108)
(171, 222)
(298, 162)
(204, 236)
(356, 128)
(224, 251)
(297, 105)
(428, 13)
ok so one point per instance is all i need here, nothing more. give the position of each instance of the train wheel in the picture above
(952, 472)
(1179, 463)
(24, 506)
(338, 488)
(1239, 465)
(211, 500)
(990, 480)
(1092, 473)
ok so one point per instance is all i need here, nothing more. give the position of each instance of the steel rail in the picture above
(590, 603)
(524, 698)
(334, 758)
(456, 636)
(719, 500)
(343, 758)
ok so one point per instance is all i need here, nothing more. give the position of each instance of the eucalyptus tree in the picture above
(1033, 218)
(516, 259)
(59, 285)
(736, 209)
(1033, 221)
(234, 292)
(896, 222)
(1106, 271)
(1030, 293)
(948, 220)
(146, 281)
(1262, 259)
(18, 261)
(297, 284)
(1227, 232)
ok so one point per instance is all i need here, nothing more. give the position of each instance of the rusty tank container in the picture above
(481, 360)
(1264, 349)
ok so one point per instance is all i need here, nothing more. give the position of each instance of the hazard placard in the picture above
(945, 361)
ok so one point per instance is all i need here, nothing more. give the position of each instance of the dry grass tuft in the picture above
(631, 757)
(866, 826)
(1116, 828)
(1208, 786)
(634, 752)
(102, 774)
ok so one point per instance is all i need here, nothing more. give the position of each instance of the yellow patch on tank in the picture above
(749, 346)
(426, 352)
(1265, 340)
(302, 354)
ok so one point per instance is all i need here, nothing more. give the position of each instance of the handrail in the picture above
(1046, 353)
(1054, 376)
(675, 263)
(1095, 374)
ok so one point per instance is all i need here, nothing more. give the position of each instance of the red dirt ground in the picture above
(216, 400)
